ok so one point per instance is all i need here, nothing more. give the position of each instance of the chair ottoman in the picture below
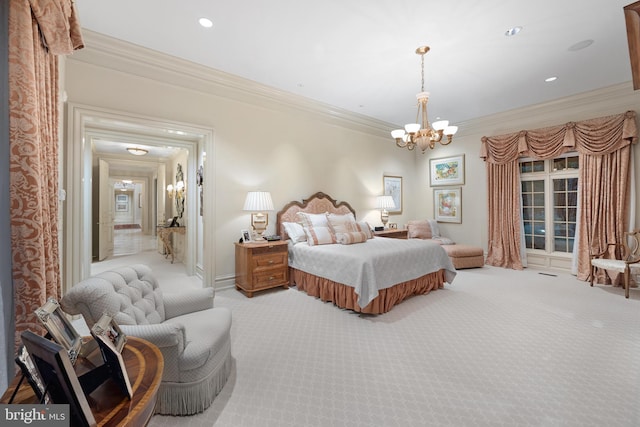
(465, 256)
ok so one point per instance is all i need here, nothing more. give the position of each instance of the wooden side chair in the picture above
(629, 262)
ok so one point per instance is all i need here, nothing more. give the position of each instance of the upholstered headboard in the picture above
(317, 203)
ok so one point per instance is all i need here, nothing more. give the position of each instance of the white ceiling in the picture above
(359, 55)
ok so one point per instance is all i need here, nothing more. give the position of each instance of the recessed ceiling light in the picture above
(205, 22)
(550, 79)
(581, 45)
(512, 31)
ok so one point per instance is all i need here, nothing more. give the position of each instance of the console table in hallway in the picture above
(164, 233)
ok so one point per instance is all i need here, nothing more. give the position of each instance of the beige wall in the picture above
(268, 145)
(293, 148)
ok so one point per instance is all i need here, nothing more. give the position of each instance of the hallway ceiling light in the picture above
(422, 134)
(137, 151)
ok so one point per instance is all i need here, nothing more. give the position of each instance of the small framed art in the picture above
(56, 371)
(393, 187)
(60, 328)
(245, 236)
(446, 171)
(448, 205)
(107, 329)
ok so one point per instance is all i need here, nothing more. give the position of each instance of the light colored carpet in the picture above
(496, 348)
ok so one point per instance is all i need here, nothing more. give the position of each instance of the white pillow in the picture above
(342, 223)
(295, 232)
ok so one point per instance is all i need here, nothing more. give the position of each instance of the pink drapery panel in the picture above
(604, 212)
(503, 182)
(38, 31)
(595, 140)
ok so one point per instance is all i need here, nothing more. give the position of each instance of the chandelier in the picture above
(423, 134)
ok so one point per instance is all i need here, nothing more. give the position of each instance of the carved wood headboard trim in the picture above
(317, 203)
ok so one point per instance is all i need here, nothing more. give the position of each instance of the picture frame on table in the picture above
(446, 171)
(245, 236)
(447, 204)
(60, 328)
(392, 186)
(108, 329)
(109, 339)
(30, 372)
(56, 371)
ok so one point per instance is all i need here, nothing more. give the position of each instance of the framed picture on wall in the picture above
(393, 187)
(122, 207)
(448, 205)
(446, 171)
(121, 198)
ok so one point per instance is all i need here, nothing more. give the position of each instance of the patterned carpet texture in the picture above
(496, 348)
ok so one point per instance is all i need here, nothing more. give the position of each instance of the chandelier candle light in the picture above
(423, 134)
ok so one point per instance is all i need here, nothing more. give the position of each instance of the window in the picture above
(549, 203)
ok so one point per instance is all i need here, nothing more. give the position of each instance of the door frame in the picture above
(78, 158)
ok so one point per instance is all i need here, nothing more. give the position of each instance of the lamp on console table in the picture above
(258, 202)
(383, 203)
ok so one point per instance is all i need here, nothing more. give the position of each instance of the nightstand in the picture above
(261, 265)
(393, 233)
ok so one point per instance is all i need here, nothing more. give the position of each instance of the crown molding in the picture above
(112, 53)
(615, 99)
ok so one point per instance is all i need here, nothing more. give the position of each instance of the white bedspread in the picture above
(379, 263)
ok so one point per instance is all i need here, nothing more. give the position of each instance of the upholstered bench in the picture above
(465, 256)
(462, 256)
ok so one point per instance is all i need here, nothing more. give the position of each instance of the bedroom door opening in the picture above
(86, 123)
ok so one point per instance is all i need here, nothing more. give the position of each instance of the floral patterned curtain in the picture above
(39, 31)
(604, 147)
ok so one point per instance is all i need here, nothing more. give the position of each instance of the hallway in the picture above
(133, 247)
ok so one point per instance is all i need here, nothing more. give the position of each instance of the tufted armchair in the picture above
(193, 336)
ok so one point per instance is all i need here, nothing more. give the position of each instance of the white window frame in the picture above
(548, 176)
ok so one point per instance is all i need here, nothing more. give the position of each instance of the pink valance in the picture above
(594, 137)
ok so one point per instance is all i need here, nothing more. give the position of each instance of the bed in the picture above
(368, 277)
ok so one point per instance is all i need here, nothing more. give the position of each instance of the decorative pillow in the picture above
(364, 227)
(444, 241)
(295, 232)
(419, 230)
(351, 237)
(316, 227)
(342, 223)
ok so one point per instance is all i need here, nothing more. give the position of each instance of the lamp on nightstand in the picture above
(383, 203)
(258, 202)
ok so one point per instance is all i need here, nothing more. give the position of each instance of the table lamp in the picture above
(383, 203)
(258, 202)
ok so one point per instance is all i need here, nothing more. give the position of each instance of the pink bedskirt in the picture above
(345, 297)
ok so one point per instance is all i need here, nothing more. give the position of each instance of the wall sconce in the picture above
(257, 202)
(383, 203)
(178, 190)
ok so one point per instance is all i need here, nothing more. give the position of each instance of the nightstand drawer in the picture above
(270, 277)
(269, 260)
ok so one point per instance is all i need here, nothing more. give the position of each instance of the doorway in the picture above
(88, 124)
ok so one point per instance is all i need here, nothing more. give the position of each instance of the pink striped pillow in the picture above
(351, 237)
(317, 229)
